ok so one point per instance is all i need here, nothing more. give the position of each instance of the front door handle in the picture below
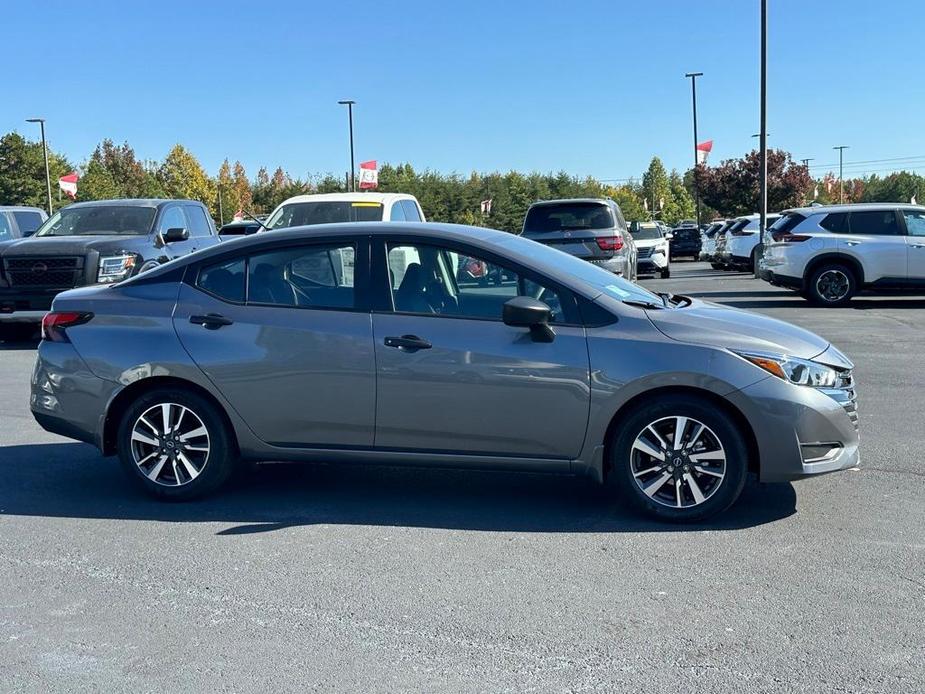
(918, 245)
(410, 343)
(210, 321)
(853, 243)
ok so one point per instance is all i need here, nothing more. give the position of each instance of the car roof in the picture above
(382, 198)
(601, 201)
(854, 206)
(21, 208)
(129, 202)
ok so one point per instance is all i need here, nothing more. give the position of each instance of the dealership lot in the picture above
(386, 579)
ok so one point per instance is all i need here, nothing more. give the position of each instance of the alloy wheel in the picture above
(678, 462)
(833, 285)
(170, 444)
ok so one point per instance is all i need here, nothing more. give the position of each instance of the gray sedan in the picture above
(371, 343)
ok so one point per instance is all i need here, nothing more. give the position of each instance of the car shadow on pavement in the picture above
(71, 480)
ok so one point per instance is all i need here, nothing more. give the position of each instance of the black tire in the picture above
(666, 273)
(753, 260)
(831, 284)
(717, 266)
(719, 429)
(217, 465)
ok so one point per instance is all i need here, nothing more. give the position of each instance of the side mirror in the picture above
(175, 234)
(527, 312)
(669, 236)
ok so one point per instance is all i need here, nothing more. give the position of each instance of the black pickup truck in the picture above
(95, 243)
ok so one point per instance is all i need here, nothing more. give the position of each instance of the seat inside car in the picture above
(268, 286)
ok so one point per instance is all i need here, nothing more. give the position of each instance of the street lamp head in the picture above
(693, 74)
(35, 120)
(347, 101)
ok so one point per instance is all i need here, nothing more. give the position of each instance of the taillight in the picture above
(610, 243)
(787, 237)
(55, 322)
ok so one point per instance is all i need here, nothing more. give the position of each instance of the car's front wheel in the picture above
(665, 272)
(175, 444)
(679, 458)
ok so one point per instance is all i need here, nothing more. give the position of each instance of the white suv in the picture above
(830, 253)
(742, 241)
(328, 208)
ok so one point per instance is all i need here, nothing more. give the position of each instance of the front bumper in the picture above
(799, 431)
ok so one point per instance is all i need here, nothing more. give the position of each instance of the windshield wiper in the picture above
(642, 303)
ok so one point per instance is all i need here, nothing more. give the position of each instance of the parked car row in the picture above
(733, 244)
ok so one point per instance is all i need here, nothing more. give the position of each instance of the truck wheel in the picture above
(175, 444)
(831, 284)
(679, 458)
(665, 272)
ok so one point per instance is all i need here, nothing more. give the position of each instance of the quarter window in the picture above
(874, 223)
(837, 222)
(915, 222)
(432, 280)
(225, 280)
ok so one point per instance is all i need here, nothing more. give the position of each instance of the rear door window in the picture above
(915, 222)
(874, 223)
(198, 224)
(317, 276)
(398, 213)
(225, 280)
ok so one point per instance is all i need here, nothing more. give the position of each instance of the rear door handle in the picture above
(211, 321)
(918, 245)
(410, 343)
(853, 243)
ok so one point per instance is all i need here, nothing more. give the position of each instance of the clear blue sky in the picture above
(594, 88)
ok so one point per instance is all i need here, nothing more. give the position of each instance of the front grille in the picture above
(646, 252)
(846, 396)
(58, 272)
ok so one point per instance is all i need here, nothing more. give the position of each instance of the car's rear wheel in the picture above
(665, 273)
(679, 458)
(175, 444)
(831, 284)
(717, 266)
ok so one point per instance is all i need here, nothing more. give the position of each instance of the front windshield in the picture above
(596, 278)
(646, 233)
(300, 214)
(107, 220)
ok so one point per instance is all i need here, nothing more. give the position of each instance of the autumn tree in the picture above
(182, 177)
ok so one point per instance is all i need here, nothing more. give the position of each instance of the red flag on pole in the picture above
(703, 151)
(68, 184)
(369, 175)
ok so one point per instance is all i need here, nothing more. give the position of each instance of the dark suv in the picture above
(96, 243)
(590, 228)
(685, 241)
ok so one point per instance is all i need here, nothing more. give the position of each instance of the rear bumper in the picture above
(616, 264)
(693, 250)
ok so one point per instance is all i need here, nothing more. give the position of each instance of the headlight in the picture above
(115, 268)
(800, 372)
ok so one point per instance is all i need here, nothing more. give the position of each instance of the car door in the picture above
(453, 378)
(874, 239)
(172, 217)
(284, 334)
(914, 221)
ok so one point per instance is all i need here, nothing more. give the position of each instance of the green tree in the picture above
(22, 172)
(115, 172)
(182, 177)
(97, 182)
(679, 204)
(630, 201)
(656, 188)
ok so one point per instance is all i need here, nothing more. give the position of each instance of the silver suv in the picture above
(589, 228)
(831, 253)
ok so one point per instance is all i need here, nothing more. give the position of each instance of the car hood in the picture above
(706, 323)
(69, 245)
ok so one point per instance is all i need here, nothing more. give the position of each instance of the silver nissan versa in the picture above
(364, 343)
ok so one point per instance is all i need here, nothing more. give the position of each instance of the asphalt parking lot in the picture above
(369, 579)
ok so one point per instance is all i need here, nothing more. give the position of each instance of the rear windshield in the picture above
(647, 233)
(741, 224)
(568, 215)
(107, 220)
(324, 212)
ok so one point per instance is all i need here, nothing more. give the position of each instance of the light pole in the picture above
(841, 180)
(693, 77)
(763, 140)
(41, 122)
(349, 104)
